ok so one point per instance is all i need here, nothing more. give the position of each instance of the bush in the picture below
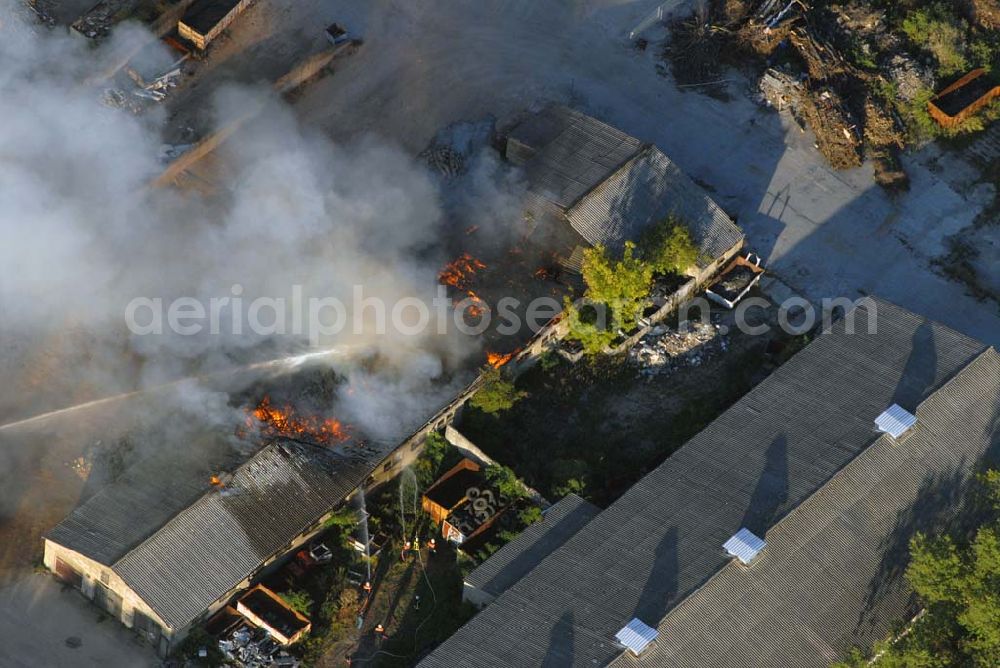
(298, 600)
(497, 394)
(345, 519)
(505, 482)
(918, 120)
(936, 29)
(589, 327)
(428, 466)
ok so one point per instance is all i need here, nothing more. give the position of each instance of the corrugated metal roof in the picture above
(645, 191)
(210, 547)
(143, 498)
(515, 559)
(574, 153)
(611, 186)
(762, 458)
(744, 545)
(832, 575)
(636, 636)
(895, 421)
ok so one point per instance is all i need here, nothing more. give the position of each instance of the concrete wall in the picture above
(202, 40)
(92, 573)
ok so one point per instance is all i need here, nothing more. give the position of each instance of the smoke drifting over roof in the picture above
(83, 235)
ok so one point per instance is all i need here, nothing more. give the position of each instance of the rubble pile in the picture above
(254, 648)
(43, 9)
(445, 160)
(834, 126)
(831, 65)
(664, 350)
(136, 99)
(908, 76)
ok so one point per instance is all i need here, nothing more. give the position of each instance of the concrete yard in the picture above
(41, 622)
(825, 233)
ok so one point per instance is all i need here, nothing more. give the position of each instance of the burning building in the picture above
(603, 186)
(171, 542)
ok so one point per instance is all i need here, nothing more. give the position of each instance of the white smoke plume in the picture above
(83, 235)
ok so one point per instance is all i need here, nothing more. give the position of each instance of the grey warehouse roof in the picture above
(573, 153)
(643, 192)
(831, 576)
(515, 559)
(130, 509)
(202, 545)
(774, 454)
(609, 185)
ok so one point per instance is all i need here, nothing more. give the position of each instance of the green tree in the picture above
(588, 327)
(622, 284)
(668, 246)
(958, 582)
(345, 519)
(497, 394)
(618, 286)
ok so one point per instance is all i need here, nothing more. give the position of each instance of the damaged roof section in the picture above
(181, 543)
(146, 495)
(568, 153)
(207, 549)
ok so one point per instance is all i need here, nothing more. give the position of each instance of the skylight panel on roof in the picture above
(895, 421)
(745, 546)
(636, 636)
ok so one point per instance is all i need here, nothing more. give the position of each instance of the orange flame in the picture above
(215, 480)
(283, 421)
(458, 274)
(497, 360)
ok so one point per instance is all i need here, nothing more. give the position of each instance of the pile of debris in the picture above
(821, 64)
(156, 89)
(664, 350)
(444, 160)
(136, 90)
(248, 647)
(43, 9)
(834, 125)
(116, 98)
(985, 13)
(909, 77)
